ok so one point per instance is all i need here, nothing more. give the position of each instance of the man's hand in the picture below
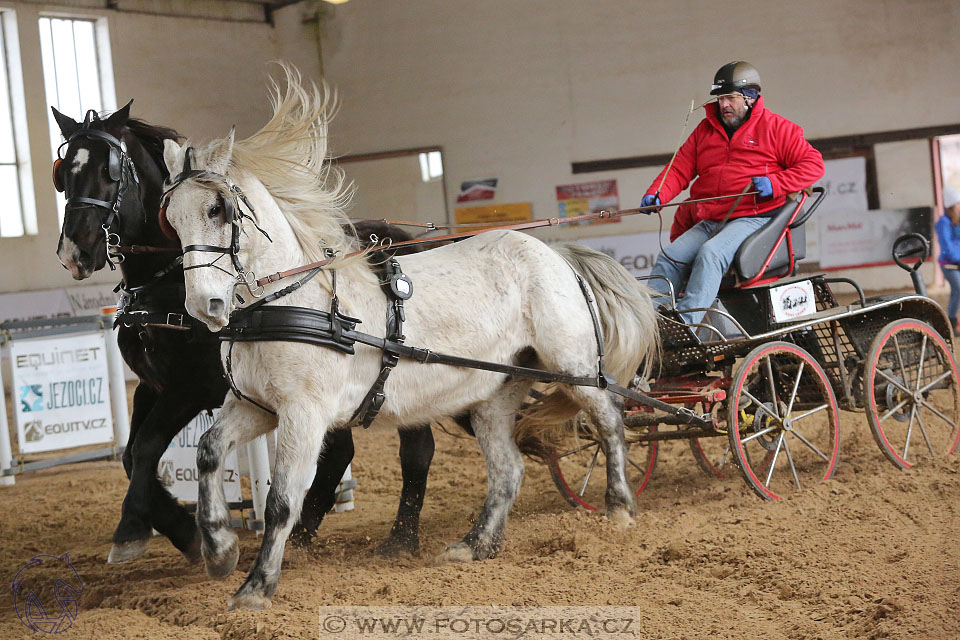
(763, 185)
(650, 200)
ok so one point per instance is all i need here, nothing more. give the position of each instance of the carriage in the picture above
(759, 384)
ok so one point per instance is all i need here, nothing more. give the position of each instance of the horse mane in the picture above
(289, 156)
(151, 136)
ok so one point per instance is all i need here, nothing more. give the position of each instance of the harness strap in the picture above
(373, 401)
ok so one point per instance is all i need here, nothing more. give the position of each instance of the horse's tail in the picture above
(628, 321)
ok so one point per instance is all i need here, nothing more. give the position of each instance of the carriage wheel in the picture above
(713, 455)
(783, 422)
(911, 393)
(579, 472)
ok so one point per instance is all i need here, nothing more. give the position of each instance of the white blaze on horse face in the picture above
(79, 160)
(69, 255)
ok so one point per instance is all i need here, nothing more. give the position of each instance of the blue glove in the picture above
(650, 200)
(763, 185)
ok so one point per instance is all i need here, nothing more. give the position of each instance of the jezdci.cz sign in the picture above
(62, 392)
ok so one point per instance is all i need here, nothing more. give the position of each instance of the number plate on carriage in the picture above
(793, 301)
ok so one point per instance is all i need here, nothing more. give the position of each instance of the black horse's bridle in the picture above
(120, 169)
(234, 215)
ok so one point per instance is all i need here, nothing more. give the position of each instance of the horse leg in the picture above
(144, 399)
(299, 441)
(147, 504)
(416, 454)
(238, 422)
(336, 455)
(493, 422)
(606, 412)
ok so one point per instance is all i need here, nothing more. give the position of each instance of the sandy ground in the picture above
(869, 554)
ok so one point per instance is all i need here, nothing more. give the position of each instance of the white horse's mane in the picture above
(289, 156)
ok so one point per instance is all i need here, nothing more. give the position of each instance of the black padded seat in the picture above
(754, 251)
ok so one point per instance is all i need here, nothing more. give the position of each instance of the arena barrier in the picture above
(69, 391)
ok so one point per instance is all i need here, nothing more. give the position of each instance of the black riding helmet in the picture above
(735, 76)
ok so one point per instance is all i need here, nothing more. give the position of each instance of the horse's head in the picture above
(202, 207)
(96, 176)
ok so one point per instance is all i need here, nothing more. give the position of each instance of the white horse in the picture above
(501, 296)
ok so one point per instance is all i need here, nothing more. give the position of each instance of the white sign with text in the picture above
(178, 464)
(62, 392)
(636, 251)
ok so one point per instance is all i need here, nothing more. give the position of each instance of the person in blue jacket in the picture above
(948, 235)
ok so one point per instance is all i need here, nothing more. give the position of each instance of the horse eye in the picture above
(213, 210)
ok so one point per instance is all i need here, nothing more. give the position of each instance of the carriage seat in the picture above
(772, 251)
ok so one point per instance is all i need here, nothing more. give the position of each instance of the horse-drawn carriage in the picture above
(766, 396)
(496, 312)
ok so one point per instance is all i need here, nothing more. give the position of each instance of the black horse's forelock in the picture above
(151, 136)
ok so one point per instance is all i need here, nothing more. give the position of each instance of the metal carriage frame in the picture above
(890, 357)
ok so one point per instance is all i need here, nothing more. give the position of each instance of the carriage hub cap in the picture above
(918, 397)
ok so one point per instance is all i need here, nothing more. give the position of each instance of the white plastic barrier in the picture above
(68, 386)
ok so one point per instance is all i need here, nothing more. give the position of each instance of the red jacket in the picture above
(766, 144)
(684, 218)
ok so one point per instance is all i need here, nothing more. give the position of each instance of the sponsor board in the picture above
(588, 197)
(178, 464)
(636, 251)
(61, 391)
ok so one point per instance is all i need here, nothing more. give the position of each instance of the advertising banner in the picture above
(866, 238)
(178, 464)
(61, 391)
(636, 251)
(588, 197)
(494, 214)
(471, 190)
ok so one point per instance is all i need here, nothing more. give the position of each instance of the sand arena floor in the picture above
(869, 554)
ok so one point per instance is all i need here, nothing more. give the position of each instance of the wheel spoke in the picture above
(760, 406)
(893, 381)
(758, 434)
(773, 463)
(923, 352)
(638, 467)
(923, 430)
(723, 458)
(578, 449)
(952, 423)
(894, 410)
(773, 388)
(796, 478)
(913, 414)
(903, 370)
(810, 444)
(796, 385)
(945, 374)
(811, 412)
(586, 479)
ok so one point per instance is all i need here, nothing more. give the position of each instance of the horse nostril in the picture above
(215, 306)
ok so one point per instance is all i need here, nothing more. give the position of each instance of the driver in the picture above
(738, 144)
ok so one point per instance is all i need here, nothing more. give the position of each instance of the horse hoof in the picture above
(194, 553)
(252, 601)
(459, 552)
(621, 518)
(222, 565)
(122, 552)
(392, 547)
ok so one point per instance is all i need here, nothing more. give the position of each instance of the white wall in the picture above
(199, 76)
(519, 90)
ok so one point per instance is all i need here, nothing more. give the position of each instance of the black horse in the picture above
(112, 173)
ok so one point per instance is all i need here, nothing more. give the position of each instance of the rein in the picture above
(533, 224)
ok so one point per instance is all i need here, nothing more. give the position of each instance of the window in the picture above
(77, 74)
(17, 208)
(431, 166)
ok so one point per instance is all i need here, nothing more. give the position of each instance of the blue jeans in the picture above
(952, 276)
(708, 260)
